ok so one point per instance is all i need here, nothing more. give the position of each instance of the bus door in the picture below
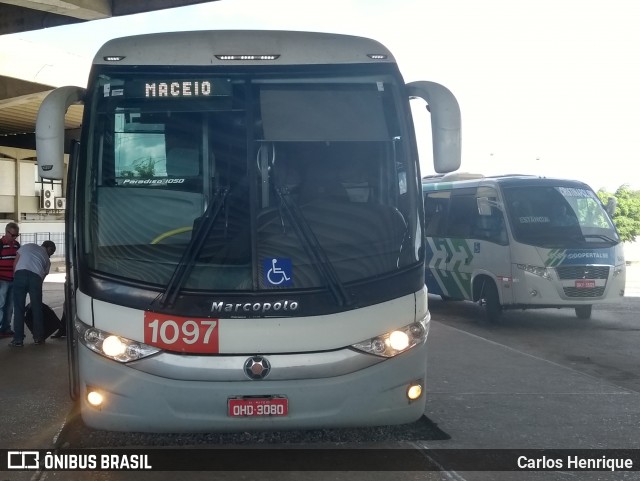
(460, 244)
(466, 242)
(491, 249)
(448, 249)
(438, 249)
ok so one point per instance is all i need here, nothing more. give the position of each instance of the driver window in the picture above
(490, 223)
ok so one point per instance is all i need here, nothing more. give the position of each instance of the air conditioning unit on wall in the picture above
(46, 198)
(61, 203)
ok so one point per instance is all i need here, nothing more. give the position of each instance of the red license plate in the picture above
(258, 407)
(585, 284)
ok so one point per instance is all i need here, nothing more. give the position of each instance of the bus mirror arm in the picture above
(50, 130)
(445, 123)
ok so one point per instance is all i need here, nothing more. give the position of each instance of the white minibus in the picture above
(520, 242)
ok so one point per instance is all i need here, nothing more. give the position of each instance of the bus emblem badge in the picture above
(257, 368)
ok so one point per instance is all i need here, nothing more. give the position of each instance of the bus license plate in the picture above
(258, 406)
(585, 284)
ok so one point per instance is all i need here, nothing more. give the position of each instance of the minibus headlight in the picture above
(111, 346)
(538, 271)
(397, 341)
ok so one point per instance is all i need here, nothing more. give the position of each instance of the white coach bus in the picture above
(245, 245)
(520, 242)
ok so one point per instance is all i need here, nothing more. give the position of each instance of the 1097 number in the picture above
(181, 334)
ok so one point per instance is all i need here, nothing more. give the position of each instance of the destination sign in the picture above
(178, 88)
(186, 88)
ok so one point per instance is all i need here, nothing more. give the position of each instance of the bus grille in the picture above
(574, 292)
(583, 272)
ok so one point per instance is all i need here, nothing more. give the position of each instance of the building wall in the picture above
(632, 251)
(27, 185)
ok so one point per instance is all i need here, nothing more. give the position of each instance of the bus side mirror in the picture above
(612, 203)
(50, 130)
(445, 123)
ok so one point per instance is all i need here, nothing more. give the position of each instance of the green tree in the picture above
(627, 214)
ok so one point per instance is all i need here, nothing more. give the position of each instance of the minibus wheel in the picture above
(583, 312)
(491, 301)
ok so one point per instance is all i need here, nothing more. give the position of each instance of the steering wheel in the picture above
(170, 233)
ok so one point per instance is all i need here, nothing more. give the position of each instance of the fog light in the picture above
(95, 398)
(414, 392)
(533, 293)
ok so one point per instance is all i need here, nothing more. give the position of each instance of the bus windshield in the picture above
(558, 216)
(244, 183)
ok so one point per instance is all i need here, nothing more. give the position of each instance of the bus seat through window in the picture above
(322, 183)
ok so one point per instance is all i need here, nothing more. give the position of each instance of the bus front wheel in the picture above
(583, 312)
(491, 302)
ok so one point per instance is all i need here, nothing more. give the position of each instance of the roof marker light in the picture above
(247, 57)
(377, 56)
(113, 58)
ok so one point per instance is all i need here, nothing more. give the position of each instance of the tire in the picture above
(491, 301)
(583, 312)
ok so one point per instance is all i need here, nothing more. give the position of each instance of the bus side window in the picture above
(462, 215)
(435, 207)
(491, 227)
(490, 223)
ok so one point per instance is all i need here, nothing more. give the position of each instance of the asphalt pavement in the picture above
(34, 397)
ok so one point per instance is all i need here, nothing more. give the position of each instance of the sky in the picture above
(545, 87)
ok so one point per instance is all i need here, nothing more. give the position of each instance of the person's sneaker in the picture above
(15, 344)
(6, 333)
(38, 341)
(58, 335)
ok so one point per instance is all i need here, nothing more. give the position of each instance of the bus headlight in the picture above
(111, 346)
(397, 341)
(538, 271)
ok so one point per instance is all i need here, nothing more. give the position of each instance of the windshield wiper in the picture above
(599, 236)
(314, 250)
(192, 251)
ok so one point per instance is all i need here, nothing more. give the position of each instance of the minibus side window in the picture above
(463, 214)
(436, 205)
(490, 223)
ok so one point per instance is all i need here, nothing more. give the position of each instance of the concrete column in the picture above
(16, 201)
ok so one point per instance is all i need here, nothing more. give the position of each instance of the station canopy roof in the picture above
(27, 73)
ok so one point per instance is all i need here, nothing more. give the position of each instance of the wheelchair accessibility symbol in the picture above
(277, 272)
